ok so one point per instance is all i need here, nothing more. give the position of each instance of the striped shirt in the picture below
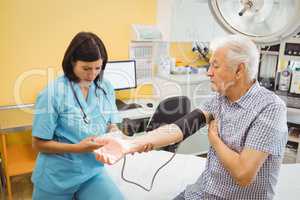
(256, 121)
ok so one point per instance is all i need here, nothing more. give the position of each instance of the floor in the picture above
(22, 186)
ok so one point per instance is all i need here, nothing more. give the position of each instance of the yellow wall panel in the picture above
(34, 35)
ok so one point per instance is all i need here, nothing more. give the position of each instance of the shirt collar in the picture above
(246, 100)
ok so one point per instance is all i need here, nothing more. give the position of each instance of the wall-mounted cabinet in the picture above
(186, 20)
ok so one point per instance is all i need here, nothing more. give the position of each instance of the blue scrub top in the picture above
(58, 117)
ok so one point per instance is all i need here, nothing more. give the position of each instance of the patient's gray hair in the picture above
(240, 50)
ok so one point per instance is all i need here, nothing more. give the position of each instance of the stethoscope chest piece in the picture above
(86, 120)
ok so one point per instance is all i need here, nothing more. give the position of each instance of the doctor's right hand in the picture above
(87, 145)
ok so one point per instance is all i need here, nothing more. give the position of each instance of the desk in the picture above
(138, 113)
(17, 159)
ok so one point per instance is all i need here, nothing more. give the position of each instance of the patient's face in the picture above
(222, 77)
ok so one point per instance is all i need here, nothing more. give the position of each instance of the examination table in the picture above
(181, 171)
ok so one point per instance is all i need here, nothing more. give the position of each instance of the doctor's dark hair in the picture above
(85, 46)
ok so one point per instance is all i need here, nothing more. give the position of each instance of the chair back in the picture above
(168, 111)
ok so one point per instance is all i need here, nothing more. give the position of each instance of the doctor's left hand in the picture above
(88, 145)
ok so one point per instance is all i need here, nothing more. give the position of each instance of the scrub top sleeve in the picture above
(45, 118)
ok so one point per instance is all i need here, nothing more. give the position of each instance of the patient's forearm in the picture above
(162, 136)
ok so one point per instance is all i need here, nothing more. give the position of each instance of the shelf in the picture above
(294, 139)
(185, 79)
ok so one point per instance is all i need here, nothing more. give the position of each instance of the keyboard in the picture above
(121, 105)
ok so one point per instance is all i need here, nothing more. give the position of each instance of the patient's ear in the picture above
(240, 71)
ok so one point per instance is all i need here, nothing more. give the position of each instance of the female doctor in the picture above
(70, 113)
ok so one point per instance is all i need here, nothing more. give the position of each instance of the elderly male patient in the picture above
(247, 135)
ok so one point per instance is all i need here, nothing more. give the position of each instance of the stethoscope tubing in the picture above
(85, 117)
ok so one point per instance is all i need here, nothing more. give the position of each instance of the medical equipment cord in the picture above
(153, 178)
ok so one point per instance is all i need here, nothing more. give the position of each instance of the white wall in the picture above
(187, 20)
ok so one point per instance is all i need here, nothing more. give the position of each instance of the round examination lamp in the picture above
(267, 22)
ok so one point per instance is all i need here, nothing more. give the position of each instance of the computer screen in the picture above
(121, 74)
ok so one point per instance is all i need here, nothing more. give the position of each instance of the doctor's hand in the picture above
(87, 145)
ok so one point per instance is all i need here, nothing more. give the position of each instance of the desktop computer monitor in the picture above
(121, 74)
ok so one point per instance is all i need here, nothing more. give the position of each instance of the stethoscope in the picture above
(85, 117)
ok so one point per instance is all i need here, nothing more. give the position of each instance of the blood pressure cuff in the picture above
(191, 123)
